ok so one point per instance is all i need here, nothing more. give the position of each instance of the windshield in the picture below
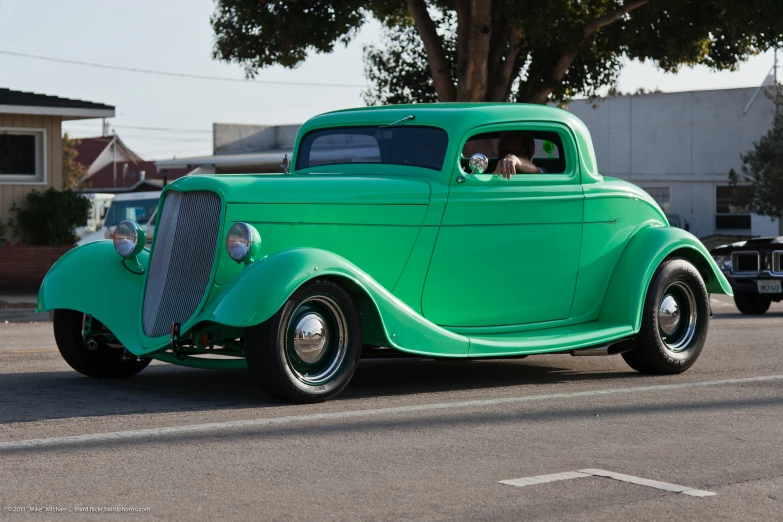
(416, 146)
(139, 210)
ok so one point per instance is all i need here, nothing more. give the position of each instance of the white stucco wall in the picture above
(687, 141)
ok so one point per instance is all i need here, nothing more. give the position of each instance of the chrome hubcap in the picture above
(668, 315)
(316, 340)
(677, 317)
(310, 337)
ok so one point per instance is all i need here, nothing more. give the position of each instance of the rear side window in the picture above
(543, 148)
(405, 145)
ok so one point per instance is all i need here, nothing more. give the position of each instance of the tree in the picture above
(761, 175)
(498, 50)
(73, 171)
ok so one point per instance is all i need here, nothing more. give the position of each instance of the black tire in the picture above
(667, 345)
(105, 362)
(318, 367)
(752, 304)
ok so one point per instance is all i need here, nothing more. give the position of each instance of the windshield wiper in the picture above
(406, 118)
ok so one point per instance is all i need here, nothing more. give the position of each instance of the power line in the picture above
(178, 75)
(162, 129)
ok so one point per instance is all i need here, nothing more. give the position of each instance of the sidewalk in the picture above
(20, 308)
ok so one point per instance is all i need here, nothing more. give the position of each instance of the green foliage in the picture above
(589, 36)
(73, 170)
(398, 72)
(51, 217)
(762, 174)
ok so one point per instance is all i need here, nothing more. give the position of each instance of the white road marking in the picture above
(674, 488)
(568, 475)
(355, 414)
(720, 304)
(543, 479)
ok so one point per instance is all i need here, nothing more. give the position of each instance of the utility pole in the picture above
(775, 79)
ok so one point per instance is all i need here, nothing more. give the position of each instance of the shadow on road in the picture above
(37, 396)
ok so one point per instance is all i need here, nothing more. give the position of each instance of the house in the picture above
(111, 166)
(238, 149)
(31, 142)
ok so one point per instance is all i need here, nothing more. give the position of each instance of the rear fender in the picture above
(262, 288)
(92, 279)
(644, 253)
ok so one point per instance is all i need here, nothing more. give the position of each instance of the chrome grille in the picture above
(745, 262)
(181, 261)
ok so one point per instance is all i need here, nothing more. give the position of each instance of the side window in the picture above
(542, 148)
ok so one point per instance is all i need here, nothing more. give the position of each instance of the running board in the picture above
(608, 349)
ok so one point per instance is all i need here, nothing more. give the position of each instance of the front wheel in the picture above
(104, 361)
(752, 304)
(309, 350)
(675, 320)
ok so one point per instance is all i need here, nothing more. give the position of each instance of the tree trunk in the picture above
(473, 48)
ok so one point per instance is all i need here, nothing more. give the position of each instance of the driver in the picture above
(515, 151)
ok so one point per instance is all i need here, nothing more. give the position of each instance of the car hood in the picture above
(312, 188)
(765, 243)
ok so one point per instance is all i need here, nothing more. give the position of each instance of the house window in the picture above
(660, 195)
(21, 155)
(729, 215)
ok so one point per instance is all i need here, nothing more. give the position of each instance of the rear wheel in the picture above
(309, 350)
(105, 360)
(675, 321)
(752, 304)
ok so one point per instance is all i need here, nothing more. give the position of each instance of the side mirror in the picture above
(478, 163)
(286, 164)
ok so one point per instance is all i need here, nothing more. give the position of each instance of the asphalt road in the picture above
(408, 440)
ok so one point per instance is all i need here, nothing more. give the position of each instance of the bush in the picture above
(51, 217)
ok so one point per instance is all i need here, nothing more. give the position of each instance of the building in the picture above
(111, 166)
(31, 142)
(241, 149)
(680, 147)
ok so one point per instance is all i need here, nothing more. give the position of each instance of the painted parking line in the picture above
(153, 433)
(582, 473)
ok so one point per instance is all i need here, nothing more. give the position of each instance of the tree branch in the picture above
(560, 69)
(612, 17)
(436, 56)
(500, 85)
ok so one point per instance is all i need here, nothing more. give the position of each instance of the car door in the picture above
(508, 251)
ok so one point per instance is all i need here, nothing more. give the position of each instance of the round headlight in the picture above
(718, 260)
(727, 262)
(129, 239)
(242, 242)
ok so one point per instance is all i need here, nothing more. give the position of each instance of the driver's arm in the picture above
(510, 165)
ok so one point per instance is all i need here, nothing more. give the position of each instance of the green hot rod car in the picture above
(390, 230)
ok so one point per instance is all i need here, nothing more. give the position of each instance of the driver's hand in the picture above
(507, 166)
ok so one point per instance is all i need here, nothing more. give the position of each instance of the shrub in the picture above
(51, 217)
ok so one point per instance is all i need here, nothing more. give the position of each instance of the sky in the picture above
(175, 36)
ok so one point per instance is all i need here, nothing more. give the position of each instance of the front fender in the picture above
(262, 288)
(645, 251)
(91, 279)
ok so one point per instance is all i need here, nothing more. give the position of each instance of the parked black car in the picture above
(755, 270)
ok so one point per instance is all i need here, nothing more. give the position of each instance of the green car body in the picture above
(437, 265)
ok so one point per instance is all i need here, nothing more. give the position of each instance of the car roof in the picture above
(459, 118)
